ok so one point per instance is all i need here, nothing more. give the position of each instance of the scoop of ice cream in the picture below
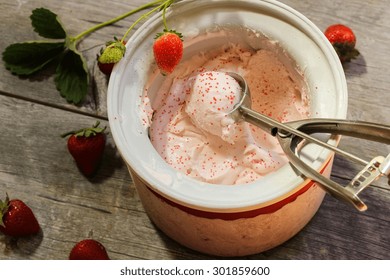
(212, 97)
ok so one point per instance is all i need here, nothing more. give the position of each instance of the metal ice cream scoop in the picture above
(291, 134)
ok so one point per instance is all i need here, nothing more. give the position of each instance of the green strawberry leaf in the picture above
(29, 57)
(72, 76)
(47, 24)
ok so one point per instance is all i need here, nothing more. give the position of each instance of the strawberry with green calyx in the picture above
(111, 54)
(168, 50)
(167, 47)
(87, 147)
(17, 219)
(343, 40)
(88, 249)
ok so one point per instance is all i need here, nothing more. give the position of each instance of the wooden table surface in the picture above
(36, 167)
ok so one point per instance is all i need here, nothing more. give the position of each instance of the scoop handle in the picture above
(358, 129)
(276, 128)
(266, 123)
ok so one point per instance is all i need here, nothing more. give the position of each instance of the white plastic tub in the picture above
(217, 219)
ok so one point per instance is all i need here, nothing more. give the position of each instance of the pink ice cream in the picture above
(233, 153)
(213, 95)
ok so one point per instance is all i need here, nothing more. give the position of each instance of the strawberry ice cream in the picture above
(213, 95)
(233, 153)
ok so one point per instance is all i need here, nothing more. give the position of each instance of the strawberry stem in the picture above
(164, 18)
(101, 25)
(163, 6)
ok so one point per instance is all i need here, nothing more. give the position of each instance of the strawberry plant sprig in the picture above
(71, 74)
(115, 50)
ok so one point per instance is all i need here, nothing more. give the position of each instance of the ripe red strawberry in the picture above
(87, 146)
(111, 54)
(17, 219)
(168, 50)
(88, 249)
(343, 40)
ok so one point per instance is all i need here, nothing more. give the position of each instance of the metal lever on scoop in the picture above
(291, 134)
(377, 167)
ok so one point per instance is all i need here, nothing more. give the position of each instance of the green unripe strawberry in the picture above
(113, 53)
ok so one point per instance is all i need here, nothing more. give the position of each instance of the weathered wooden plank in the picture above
(36, 167)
